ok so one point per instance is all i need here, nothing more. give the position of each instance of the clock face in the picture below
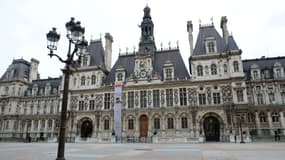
(143, 74)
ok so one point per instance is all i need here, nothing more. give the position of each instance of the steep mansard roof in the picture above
(19, 69)
(263, 64)
(96, 50)
(160, 58)
(41, 84)
(210, 31)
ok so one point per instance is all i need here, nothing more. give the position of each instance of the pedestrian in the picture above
(235, 138)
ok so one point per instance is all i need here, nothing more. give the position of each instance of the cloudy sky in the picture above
(258, 26)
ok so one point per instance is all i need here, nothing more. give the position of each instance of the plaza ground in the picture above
(87, 151)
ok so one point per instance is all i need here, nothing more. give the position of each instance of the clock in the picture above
(143, 74)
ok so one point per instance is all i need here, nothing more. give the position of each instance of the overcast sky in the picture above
(258, 26)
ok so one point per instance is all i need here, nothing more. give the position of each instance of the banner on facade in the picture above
(118, 110)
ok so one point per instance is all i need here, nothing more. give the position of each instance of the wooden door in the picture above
(143, 126)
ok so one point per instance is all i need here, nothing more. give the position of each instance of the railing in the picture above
(136, 139)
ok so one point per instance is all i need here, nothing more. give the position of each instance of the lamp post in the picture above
(75, 36)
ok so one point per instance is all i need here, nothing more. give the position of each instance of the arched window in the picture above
(83, 80)
(213, 69)
(184, 123)
(199, 70)
(93, 79)
(156, 123)
(106, 124)
(131, 124)
(170, 123)
(236, 67)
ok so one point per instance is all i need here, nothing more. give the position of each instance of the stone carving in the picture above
(162, 97)
(192, 96)
(176, 96)
(136, 98)
(226, 94)
(99, 101)
(149, 98)
(209, 96)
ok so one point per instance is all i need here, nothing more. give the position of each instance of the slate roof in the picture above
(263, 64)
(128, 63)
(210, 31)
(96, 50)
(42, 83)
(20, 69)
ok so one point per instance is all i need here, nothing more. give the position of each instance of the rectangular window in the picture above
(271, 97)
(107, 100)
(106, 124)
(240, 95)
(170, 123)
(168, 72)
(236, 67)
(217, 98)
(143, 99)
(283, 97)
(183, 96)
(130, 124)
(91, 105)
(156, 123)
(202, 99)
(81, 105)
(184, 123)
(156, 99)
(131, 99)
(169, 97)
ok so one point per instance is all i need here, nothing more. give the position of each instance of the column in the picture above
(282, 122)
(257, 123)
(270, 123)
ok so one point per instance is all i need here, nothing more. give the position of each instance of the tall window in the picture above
(278, 73)
(143, 99)
(169, 97)
(266, 74)
(106, 124)
(131, 99)
(283, 97)
(36, 123)
(82, 80)
(183, 96)
(49, 124)
(85, 61)
(255, 74)
(213, 69)
(32, 109)
(51, 109)
(275, 117)
(250, 117)
(107, 100)
(156, 123)
(225, 68)
(236, 67)
(211, 47)
(156, 99)
(131, 124)
(120, 77)
(216, 98)
(259, 98)
(91, 105)
(262, 117)
(202, 99)
(199, 70)
(170, 123)
(184, 123)
(93, 79)
(240, 95)
(168, 72)
(81, 105)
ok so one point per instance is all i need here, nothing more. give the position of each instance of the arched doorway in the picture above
(86, 129)
(212, 128)
(143, 126)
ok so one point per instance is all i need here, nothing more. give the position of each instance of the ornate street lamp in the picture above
(75, 35)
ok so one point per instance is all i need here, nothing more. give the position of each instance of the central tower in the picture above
(147, 39)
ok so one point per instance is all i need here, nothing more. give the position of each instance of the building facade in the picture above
(221, 97)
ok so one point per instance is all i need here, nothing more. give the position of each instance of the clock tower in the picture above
(145, 57)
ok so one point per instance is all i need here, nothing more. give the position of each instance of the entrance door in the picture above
(86, 129)
(212, 129)
(143, 126)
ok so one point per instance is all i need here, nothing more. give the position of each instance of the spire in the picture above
(147, 39)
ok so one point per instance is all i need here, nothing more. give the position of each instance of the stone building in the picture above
(220, 97)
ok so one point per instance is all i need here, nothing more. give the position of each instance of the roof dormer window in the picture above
(211, 45)
(85, 60)
(199, 70)
(168, 73)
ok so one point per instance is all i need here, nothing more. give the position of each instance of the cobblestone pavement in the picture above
(87, 151)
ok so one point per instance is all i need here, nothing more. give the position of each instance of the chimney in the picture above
(190, 35)
(224, 27)
(33, 74)
(108, 50)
